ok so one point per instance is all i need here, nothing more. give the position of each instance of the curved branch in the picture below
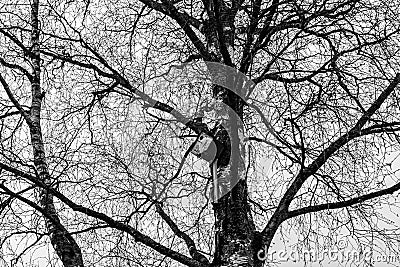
(281, 213)
(344, 204)
(189, 241)
(15, 102)
(137, 235)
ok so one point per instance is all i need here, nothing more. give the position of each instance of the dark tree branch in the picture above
(279, 148)
(150, 102)
(16, 67)
(15, 101)
(163, 8)
(344, 204)
(137, 235)
(251, 29)
(356, 131)
(178, 232)
(168, 8)
(220, 32)
(281, 213)
(51, 217)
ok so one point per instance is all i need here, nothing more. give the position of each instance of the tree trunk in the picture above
(235, 231)
(236, 235)
(63, 243)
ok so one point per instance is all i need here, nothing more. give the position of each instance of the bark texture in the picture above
(63, 243)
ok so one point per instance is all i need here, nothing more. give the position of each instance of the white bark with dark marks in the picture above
(63, 243)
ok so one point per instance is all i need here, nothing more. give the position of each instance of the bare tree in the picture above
(190, 132)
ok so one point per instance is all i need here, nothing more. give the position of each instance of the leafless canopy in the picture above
(102, 101)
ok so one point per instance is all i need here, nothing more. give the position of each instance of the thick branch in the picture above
(356, 131)
(169, 9)
(16, 67)
(165, 10)
(139, 237)
(150, 102)
(189, 241)
(346, 203)
(14, 101)
(281, 213)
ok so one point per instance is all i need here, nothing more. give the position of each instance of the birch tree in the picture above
(196, 133)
